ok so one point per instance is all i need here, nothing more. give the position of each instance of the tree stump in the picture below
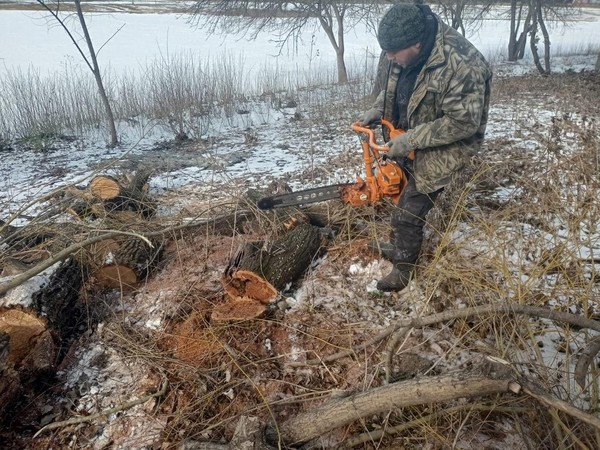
(260, 270)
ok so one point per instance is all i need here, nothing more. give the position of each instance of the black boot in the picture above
(396, 280)
(384, 249)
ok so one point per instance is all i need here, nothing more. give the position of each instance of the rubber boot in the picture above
(396, 280)
(384, 249)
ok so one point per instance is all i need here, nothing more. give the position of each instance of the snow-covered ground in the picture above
(338, 293)
(129, 41)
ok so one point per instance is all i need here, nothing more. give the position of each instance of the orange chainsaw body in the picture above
(383, 176)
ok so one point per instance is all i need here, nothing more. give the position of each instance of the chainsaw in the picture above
(383, 178)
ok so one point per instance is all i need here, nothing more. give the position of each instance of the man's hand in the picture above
(399, 146)
(371, 117)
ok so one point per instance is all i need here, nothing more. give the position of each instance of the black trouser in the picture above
(408, 220)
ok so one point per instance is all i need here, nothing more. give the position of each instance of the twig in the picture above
(416, 322)
(106, 412)
(549, 400)
(390, 350)
(585, 359)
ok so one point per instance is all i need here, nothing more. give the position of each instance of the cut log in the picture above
(116, 197)
(104, 187)
(22, 328)
(124, 261)
(260, 270)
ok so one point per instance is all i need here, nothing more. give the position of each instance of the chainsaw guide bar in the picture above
(314, 195)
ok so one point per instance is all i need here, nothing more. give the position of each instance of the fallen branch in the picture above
(489, 378)
(371, 436)
(398, 336)
(584, 361)
(553, 402)
(417, 322)
(106, 412)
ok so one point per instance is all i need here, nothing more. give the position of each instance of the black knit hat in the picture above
(402, 26)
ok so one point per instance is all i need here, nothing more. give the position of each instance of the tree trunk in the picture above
(383, 67)
(337, 413)
(122, 262)
(110, 119)
(516, 46)
(542, 23)
(534, 50)
(259, 270)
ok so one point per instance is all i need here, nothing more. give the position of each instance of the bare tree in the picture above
(519, 11)
(538, 21)
(463, 15)
(90, 59)
(527, 18)
(287, 19)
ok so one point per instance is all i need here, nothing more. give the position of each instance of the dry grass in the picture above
(515, 228)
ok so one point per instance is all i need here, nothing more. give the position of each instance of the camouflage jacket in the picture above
(447, 110)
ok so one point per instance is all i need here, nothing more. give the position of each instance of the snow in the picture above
(22, 294)
(281, 152)
(37, 42)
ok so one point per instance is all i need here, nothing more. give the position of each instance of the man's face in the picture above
(405, 56)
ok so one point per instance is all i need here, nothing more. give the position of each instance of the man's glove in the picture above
(371, 117)
(399, 146)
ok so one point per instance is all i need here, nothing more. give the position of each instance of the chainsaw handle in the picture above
(359, 128)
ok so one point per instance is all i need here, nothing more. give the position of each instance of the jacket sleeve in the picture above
(462, 108)
(378, 103)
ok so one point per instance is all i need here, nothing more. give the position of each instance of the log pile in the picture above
(40, 320)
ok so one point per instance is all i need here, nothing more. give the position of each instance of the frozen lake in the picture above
(128, 41)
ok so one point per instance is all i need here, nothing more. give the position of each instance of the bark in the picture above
(260, 270)
(110, 119)
(383, 67)
(9, 379)
(123, 261)
(492, 379)
(60, 301)
(116, 197)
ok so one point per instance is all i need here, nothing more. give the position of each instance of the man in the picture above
(438, 90)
